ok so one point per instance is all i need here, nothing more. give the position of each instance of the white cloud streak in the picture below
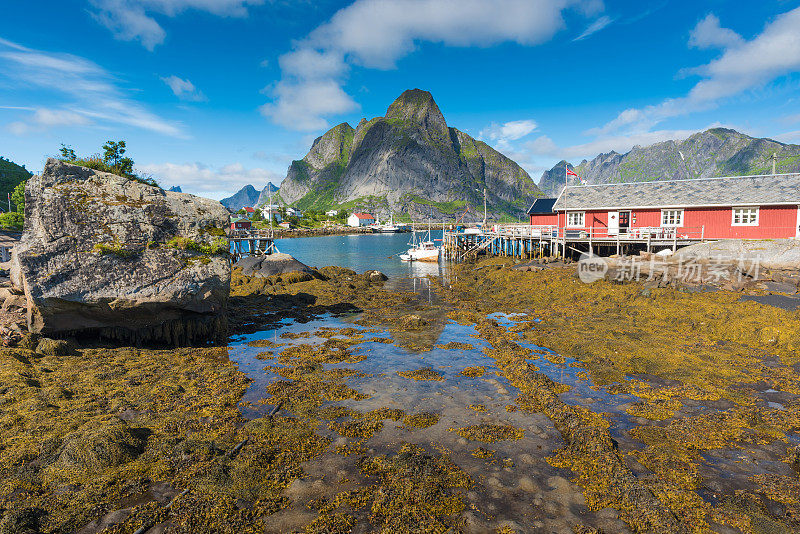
(743, 66)
(132, 20)
(595, 27)
(184, 89)
(209, 181)
(377, 33)
(88, 94)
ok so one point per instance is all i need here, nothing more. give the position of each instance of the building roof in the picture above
(248, 209)
(706, 192)
(542, 205)
(239, 219)
(364, 216)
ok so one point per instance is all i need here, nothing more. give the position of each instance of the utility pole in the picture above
(484, 210)
(774, 160)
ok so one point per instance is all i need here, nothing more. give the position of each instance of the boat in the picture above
(390, 227)
(425, 250)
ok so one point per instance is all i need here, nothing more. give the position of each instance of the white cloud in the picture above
(43, 119)
(375, 34)
(301, 106)
(743, 66)
(595, 27)
(709, 34)
(131, 20)
(87, 93)
(509, 131)
(209, 181)
(184, 89)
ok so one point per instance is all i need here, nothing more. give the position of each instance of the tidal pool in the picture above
(513, 486)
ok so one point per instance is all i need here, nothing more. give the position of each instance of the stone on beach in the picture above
(770, 253)
(271, 265)
(115, 257)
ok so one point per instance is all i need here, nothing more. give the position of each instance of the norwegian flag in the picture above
(572, 173)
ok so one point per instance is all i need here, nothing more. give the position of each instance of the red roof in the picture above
(364, 216)
(249, 210)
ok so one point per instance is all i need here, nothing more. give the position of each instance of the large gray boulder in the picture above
(769, 253)
(121, 259)
(272, 264)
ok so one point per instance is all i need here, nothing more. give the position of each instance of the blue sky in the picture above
(215, 94)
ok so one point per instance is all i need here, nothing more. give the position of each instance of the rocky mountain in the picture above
(246, 196)
(408, 161)
(715, 152)
(263, 198)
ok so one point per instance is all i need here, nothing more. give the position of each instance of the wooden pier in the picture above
(530, 242)
(251, 242)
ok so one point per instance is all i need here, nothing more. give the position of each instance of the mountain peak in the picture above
(417, 106)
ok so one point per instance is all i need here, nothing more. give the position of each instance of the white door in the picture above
(613, 222)
(798, 223)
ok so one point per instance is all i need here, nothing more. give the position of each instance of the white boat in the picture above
(389, 228)
(425, 250)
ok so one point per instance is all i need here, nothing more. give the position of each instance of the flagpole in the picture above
(564, 254)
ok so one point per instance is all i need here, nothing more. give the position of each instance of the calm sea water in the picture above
(361, 253)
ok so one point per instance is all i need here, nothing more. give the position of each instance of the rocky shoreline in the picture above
(135, 430)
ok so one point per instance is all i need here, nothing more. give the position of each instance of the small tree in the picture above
(112, 153)
(67, 153)
(257, 216)
(18, 196)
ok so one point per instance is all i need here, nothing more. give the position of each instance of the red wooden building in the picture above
(240, 223)
(744, 207)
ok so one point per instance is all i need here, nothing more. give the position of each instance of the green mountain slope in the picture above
(11, 175)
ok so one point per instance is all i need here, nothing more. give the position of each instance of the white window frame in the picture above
(738, 216)
(581, 215)
(674, 221)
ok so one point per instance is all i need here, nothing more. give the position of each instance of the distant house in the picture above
(285, 224)
(293, 212)
(268, 211)
(332, 213)
(736, 207)
(240, 223)
(249, 211)
(360, 219)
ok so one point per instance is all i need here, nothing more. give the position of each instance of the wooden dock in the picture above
(530, 242)
(251, 242)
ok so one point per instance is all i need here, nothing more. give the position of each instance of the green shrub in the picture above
(96, 163)
(13, 220)
(116, 248)
(218, 246)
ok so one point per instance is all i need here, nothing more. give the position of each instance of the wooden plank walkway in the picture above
(528, 241)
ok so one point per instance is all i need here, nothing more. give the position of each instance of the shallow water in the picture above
(505, 486)
(361, 252)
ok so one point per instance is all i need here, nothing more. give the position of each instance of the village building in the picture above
(738, 207)
(332, 213)
(271, 210)
(240, 223)
(360, 219)
(249, 211)
(293, 212)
